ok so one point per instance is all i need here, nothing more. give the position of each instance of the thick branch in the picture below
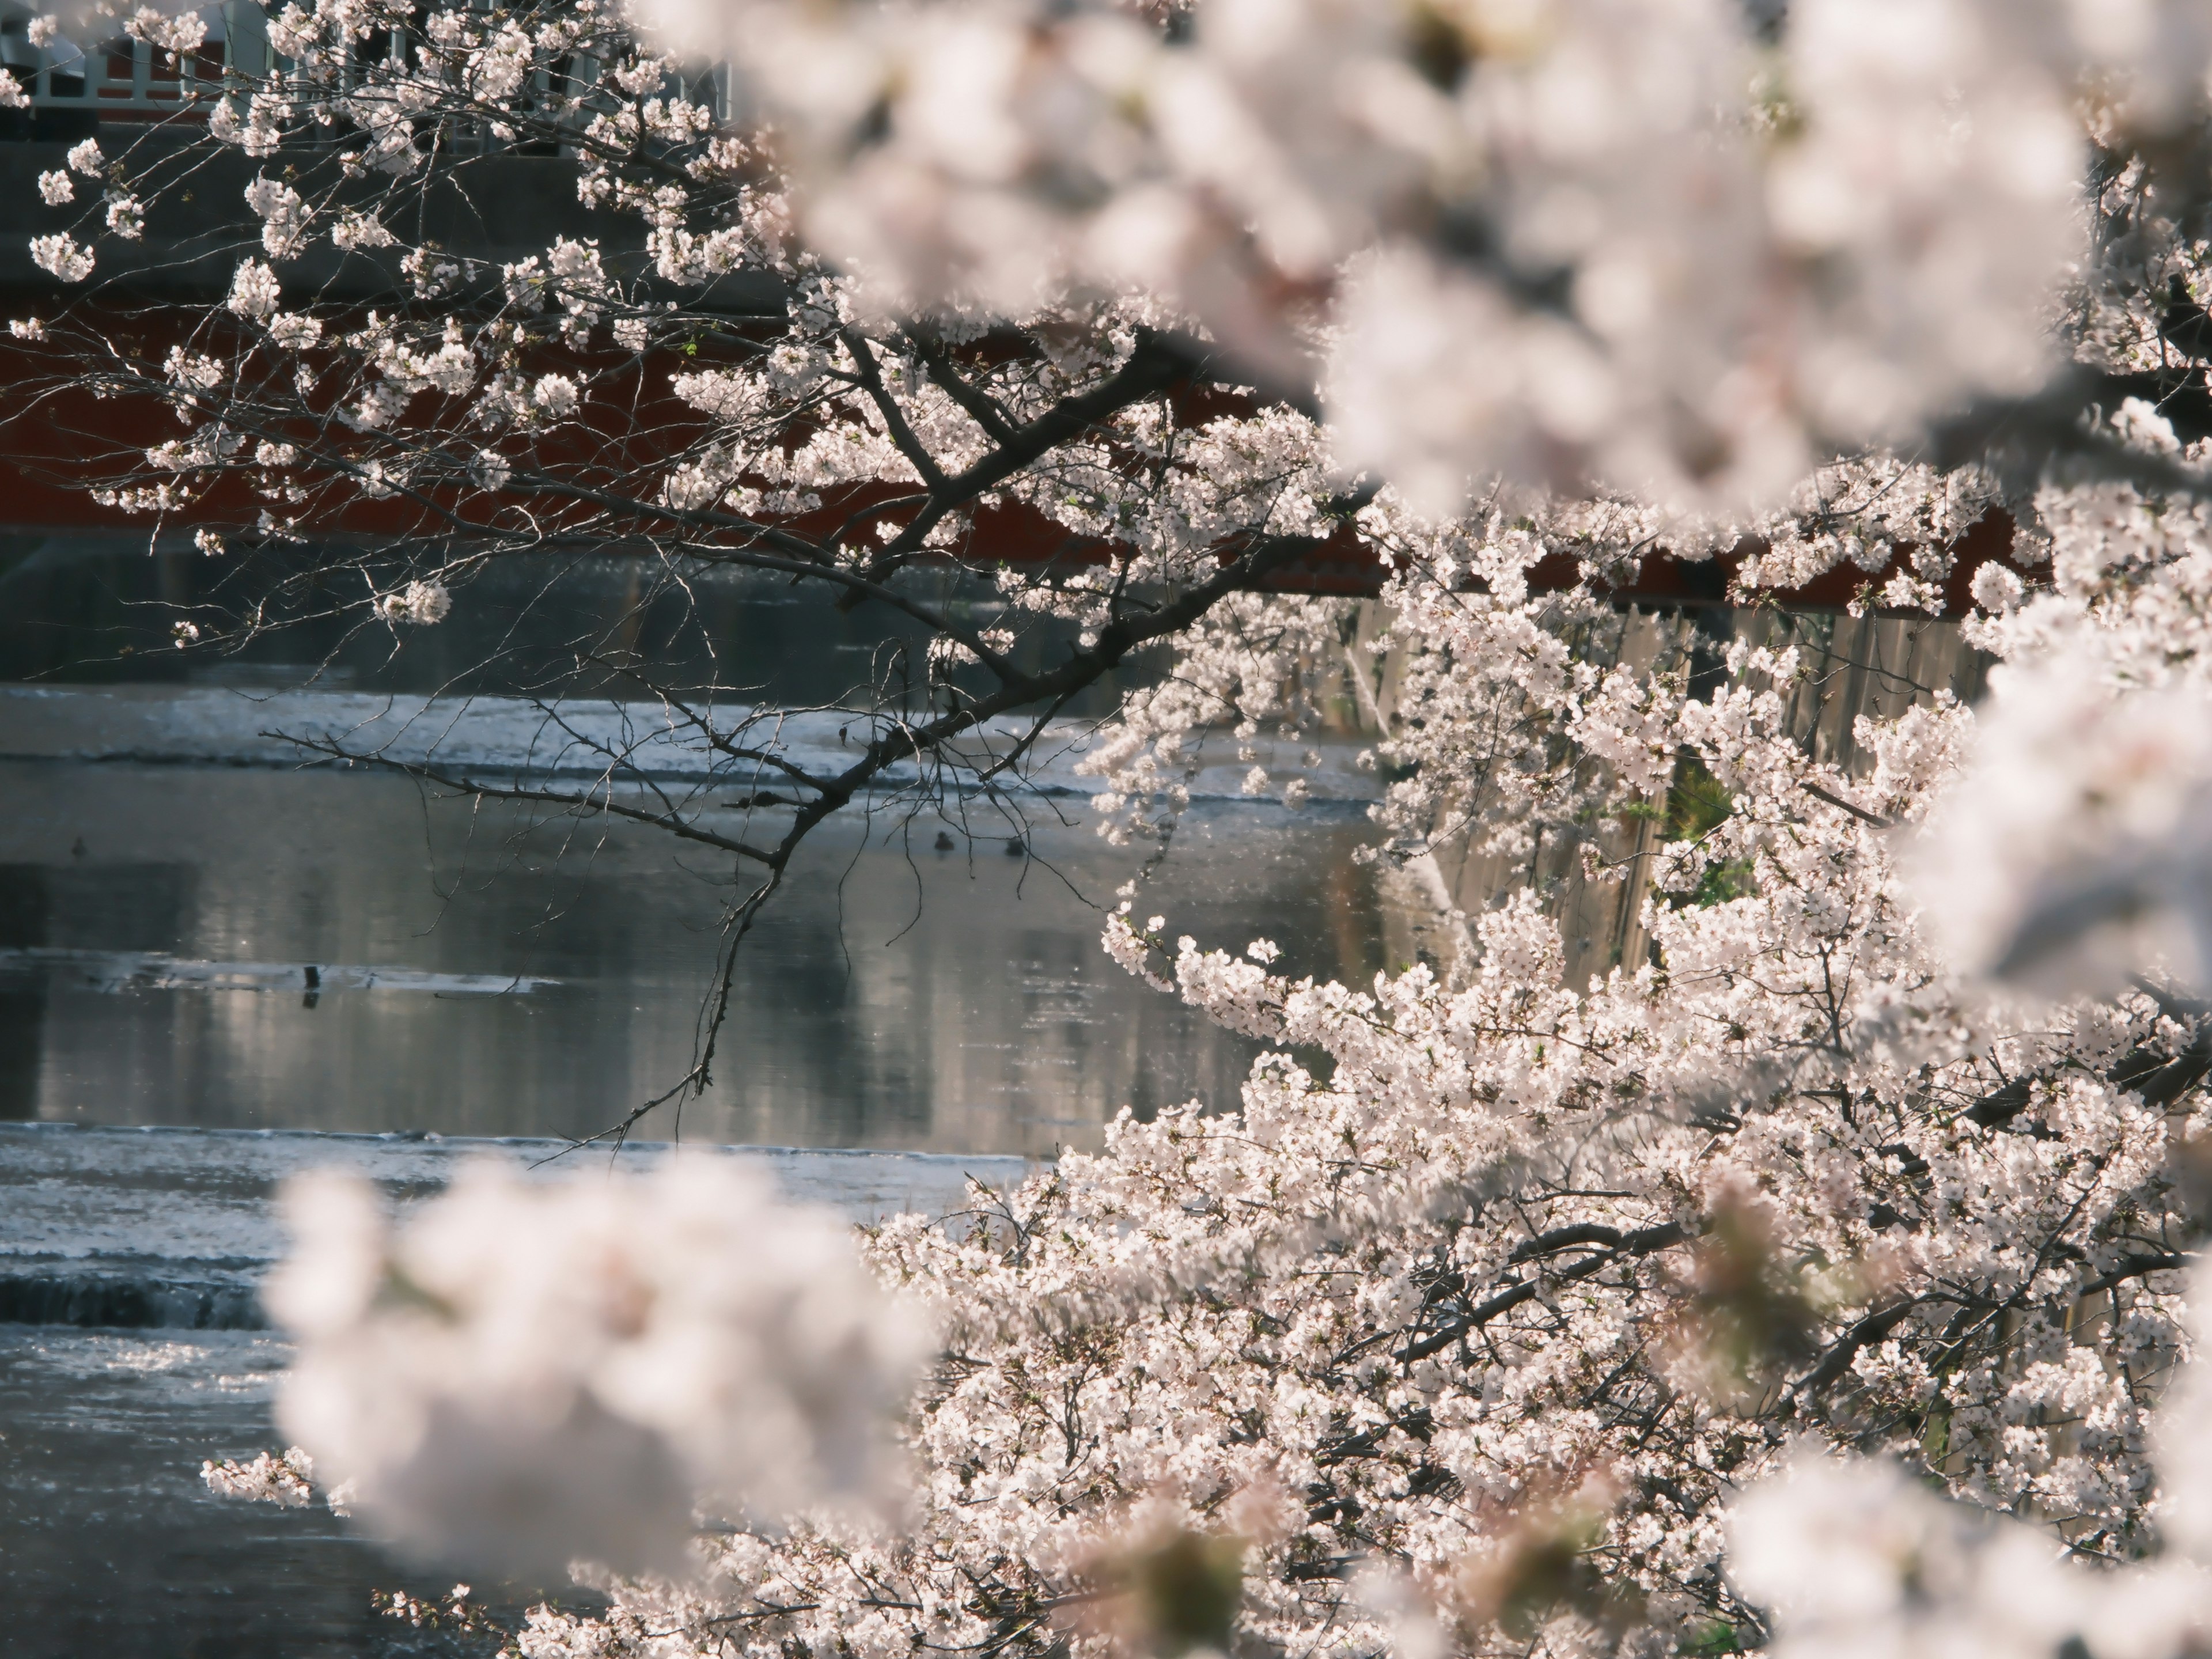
(1644, 1241)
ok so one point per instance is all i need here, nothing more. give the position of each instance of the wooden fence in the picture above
(1872, 665)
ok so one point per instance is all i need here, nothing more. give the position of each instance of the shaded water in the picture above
(98, 608)
(110, 1545)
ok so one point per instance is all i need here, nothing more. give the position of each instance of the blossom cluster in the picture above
(1472, 1318)
(525, 1374)
(1531, 1262)
(1851, 1557)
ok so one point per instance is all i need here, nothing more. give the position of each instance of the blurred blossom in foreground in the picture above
(2072, 850)
(1167, 1592)
(2182, 1443)
(1853, 1556)
(1635, 243)
(526, 1373)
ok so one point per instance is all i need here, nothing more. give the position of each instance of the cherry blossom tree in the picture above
(1498, 1304)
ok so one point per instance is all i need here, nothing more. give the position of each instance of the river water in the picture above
(131, 1349)
(217, 965)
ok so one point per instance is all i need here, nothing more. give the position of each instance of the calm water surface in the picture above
(157, 925)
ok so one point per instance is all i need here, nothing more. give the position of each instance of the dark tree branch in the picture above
(1644, 1241)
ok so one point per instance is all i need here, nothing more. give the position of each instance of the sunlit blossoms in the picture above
(1541, 1269)
(295, 333)
(1470, 1320)
(285, 1479)
(254, 291)
(61, 255)
(284, 218)
(176, 32)
(422, 603)
(526, 1373)
(555, 394)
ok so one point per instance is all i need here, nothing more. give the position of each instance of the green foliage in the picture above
(1698, 803)
(1724, 879)
(1717, 1637)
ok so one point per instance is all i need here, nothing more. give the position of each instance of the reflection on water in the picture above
(893, 996)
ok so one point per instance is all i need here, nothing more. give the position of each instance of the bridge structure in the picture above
(495, 204)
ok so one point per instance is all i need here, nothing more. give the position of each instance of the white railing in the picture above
(127, 80)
